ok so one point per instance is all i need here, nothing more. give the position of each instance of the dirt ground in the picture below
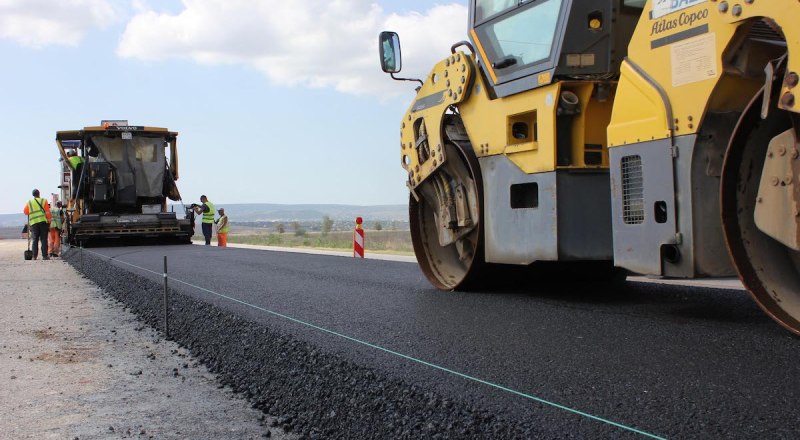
(76, 365)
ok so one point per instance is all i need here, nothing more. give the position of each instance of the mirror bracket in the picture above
(407, 79)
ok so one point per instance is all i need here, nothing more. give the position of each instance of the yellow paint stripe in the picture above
(483, 55)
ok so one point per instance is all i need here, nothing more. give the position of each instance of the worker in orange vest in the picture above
(223, 226)
(38, 211)
(56, 226)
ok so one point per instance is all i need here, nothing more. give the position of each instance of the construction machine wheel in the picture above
(446, 222)
(769, 269)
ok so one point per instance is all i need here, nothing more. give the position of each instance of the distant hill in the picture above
(8, 220)
(255, 212)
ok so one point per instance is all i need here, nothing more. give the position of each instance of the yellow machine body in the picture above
(657, 138)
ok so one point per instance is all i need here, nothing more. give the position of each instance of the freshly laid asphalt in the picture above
(669, 361)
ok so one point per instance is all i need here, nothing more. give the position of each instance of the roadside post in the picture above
(166, 314)
(358, 239)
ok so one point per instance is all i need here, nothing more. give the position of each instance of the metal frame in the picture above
(571, 222)
(638, 247)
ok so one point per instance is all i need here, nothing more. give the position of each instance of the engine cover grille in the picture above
(632, 190)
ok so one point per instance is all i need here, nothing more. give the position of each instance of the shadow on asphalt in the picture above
(660, 302)
(135, 242)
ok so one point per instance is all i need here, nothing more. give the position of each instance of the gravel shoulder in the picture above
(76, 364)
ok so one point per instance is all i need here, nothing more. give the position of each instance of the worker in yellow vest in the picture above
(76, 164)
(223, 226)
(56, 226)
(38, 212)
(207, 211)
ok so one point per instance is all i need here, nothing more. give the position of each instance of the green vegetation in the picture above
(327, 225)
(392, 242)
(299, 231)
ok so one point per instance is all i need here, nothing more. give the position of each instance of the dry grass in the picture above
(395, 242)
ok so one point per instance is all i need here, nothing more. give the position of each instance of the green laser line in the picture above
(404, 356)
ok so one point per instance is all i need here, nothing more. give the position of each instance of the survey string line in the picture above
(398, 354)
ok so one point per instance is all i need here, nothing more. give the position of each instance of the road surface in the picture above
(647, 360)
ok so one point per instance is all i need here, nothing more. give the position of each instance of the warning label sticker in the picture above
(694, 60)
(664, 7)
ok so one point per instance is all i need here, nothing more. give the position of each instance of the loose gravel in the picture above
(75, 365)
(308, 390)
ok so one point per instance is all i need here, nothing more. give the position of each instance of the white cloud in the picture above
(315, 43)
(39, 23)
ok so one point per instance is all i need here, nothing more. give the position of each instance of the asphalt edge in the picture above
(307, 391)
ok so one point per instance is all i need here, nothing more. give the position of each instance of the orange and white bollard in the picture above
(358, 239)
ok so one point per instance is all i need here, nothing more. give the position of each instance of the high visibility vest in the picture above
(36, 213)
(74, 161)
(55, 221)
(208, 217)
(227, 227)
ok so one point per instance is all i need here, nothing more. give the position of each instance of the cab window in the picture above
(486, 8)
(639, 4)
(522, 36)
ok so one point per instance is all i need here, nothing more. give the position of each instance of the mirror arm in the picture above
(407, 79)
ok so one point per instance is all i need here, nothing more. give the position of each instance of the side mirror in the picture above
(389, 47)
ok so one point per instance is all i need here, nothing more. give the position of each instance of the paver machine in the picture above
(654, 137)
(119, 191)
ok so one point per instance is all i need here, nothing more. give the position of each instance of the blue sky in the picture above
(274, 103)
